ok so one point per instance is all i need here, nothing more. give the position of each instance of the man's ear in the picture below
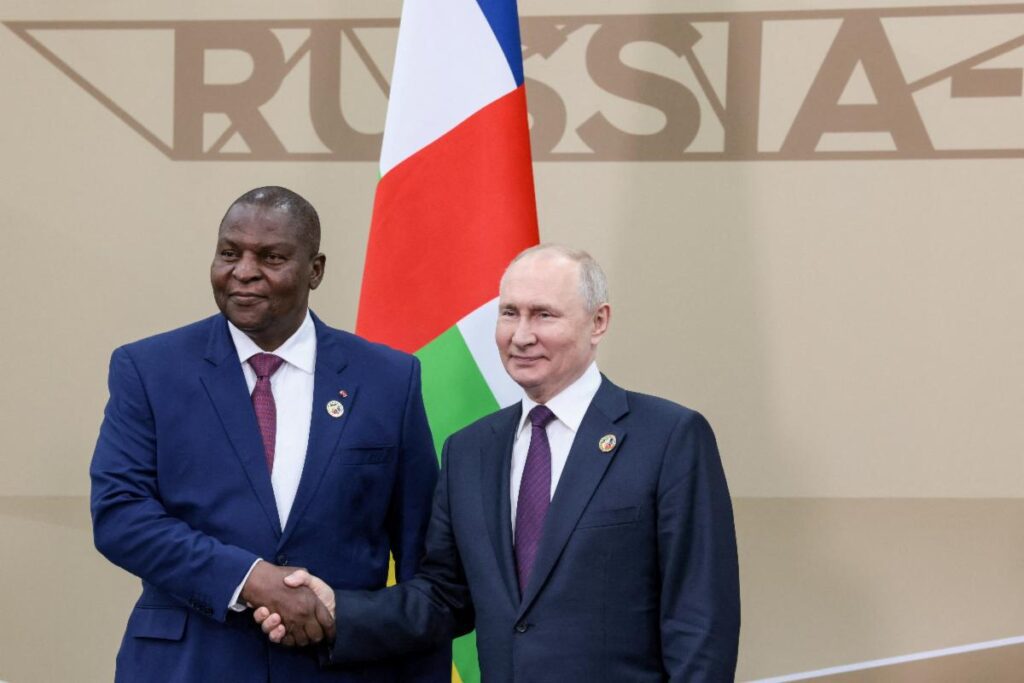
(317, 266)
(601, 319)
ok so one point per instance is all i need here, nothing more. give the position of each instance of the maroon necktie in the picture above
(534, 494)
(265, 365)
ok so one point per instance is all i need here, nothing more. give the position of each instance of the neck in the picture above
(271, 340)
(544, 395)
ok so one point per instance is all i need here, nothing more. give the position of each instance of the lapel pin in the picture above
(335, 409)
(343, 393)
(606, 443)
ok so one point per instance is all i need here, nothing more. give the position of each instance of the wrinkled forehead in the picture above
(541, 277)
(543, 265)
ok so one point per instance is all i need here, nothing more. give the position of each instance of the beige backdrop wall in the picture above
(810, 214)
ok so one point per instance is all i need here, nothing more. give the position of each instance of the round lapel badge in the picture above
(607, 443)
(335, 409)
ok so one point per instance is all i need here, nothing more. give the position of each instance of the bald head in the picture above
(593, 284)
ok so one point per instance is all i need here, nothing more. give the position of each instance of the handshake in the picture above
(293, 607)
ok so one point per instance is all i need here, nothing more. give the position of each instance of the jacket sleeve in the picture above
(409, 511)
(420, 613)
(700, 600)
(408, 518)
(131, 527)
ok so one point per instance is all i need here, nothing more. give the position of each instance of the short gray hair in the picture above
(593, 283)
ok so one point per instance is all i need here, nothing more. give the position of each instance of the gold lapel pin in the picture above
(335, 409)
(606, 443)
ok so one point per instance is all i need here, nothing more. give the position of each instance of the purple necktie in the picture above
(265, 365)
(534, 494)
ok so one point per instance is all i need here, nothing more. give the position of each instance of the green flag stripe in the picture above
(464, 654)
(454, 391)
(455, 394)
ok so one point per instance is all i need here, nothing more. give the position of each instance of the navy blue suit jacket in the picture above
(181, 497)
(636, 577)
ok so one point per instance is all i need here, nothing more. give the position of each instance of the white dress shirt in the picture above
(569, 407)
(292, 386)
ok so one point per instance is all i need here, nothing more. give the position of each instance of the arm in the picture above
(700, 608)
(133, 530)
(416, 478)
(408, 517)
(423, 612)
(130, 525)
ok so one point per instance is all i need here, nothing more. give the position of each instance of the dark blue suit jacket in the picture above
(181, 497)
(636, 577)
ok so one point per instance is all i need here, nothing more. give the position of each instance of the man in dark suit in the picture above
(243, 445)
(586, 533)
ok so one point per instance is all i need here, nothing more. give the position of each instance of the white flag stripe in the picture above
(890, 661)
(477, 330)
(448, 65)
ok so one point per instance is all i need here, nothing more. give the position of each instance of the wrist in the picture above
(238, 603)
(252, 587)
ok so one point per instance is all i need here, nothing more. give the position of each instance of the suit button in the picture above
(282, 560)
(521, 628)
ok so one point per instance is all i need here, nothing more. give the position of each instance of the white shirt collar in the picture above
(298, 350)
(569, 405)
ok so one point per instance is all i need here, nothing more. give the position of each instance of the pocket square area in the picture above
(612, 517)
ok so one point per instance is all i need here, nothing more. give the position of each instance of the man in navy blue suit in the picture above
(241, 446)
(586, 533)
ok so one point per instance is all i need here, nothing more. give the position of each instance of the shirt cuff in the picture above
(235, 605)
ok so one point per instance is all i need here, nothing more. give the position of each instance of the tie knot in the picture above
(265, 364)
(540, 416)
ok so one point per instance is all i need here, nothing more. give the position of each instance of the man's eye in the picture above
(274, 258)
(507, 313)
(227, 253)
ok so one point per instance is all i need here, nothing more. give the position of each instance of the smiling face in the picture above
(262, 273)
(546, 336)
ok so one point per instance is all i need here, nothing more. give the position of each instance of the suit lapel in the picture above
(495, 469)
(225, 385)
(583, 472)
(324, 429)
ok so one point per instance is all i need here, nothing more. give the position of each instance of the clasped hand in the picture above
(298, 613)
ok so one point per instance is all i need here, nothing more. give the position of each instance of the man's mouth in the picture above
(245, 298)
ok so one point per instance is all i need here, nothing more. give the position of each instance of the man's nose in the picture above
(246, 268)
(523, 334)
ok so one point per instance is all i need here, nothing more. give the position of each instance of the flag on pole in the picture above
(454, 204)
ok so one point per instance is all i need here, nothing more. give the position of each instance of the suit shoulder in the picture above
(662, 409)
(364, 349)
(483, 428)
(193, 334)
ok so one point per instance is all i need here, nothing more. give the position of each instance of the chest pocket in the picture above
(366, 455)
(613, 517)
